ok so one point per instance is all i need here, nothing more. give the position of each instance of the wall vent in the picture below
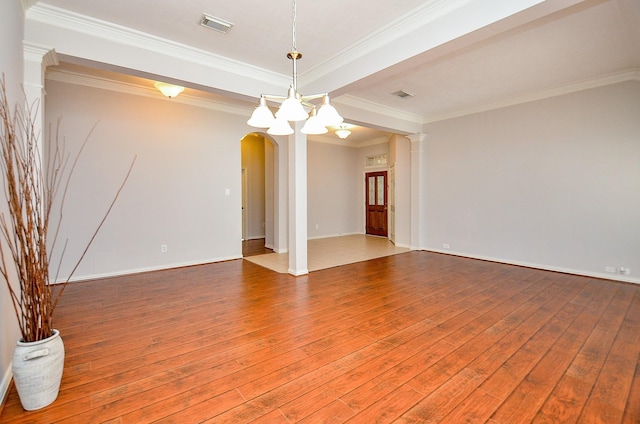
(216, 24)
(402, 94)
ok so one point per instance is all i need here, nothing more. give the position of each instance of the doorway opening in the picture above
(260, 194)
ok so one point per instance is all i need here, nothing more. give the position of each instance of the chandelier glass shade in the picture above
(280, 126)
(314, 125)
(294, 106)
(261, 116)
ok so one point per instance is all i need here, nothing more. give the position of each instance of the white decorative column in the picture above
(298, 202)
(36, 60)
(418, 194)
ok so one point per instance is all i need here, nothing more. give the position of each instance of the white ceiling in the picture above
(262, 33)
(547, 48)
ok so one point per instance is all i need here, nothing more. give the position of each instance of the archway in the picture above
(263, 214)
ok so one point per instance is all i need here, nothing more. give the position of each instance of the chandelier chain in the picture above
(293, 44)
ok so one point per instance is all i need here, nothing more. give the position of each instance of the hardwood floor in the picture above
(412, 338)
(254, 247)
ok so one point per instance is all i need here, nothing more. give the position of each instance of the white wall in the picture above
(11, 65)
(332, 190)
(188, 158)
(11, 49)
(553, 183)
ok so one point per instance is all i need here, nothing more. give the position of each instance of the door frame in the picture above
(367, 173)
(245, 217)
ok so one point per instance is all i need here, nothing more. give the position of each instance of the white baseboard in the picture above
(5, 384)
(149, 269)
(614, 277)
(298, 272)
(333, 235)
(604, 276)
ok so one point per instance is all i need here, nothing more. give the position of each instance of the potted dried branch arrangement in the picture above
(32, 185)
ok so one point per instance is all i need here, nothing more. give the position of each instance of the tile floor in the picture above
(333, 251)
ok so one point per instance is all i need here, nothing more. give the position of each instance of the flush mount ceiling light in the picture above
(343, 132)
(169, 90)
(293, 105)
(215, 24)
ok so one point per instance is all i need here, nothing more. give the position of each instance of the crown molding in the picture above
(373, 141)
(51, 15)
(134, 89)
(330, 139)
(27, 4)
(396, 29)
(413, 21)
(369, 106)
(614, 78)
(85, 80)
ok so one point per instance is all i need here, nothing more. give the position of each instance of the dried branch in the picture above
(30, 193)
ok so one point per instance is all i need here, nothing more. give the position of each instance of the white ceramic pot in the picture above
(37, 371)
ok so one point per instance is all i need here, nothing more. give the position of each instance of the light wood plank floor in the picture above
(412, 338)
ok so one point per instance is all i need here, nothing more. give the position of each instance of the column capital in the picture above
(37, 58)
(417, 137)
(26, 4)
(34, 52)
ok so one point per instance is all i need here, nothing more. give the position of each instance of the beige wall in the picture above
(184, 191)
(11, 65)
(552, 183)
(332, 186)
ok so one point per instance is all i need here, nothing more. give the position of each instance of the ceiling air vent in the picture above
(402, 94)
(215, 23)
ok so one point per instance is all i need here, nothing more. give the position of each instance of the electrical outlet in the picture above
(446, 246)
(163, 248)
(624, 271)
(610, 269)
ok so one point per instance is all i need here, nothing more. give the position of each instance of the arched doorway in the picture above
(262, 213)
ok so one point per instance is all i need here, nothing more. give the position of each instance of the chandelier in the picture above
(294, 106)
